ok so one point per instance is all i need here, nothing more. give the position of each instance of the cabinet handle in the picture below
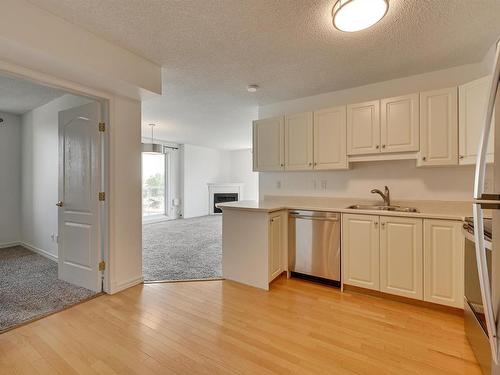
(377, 147)
(376, 224)
(315, 163)
(461, 157)
(383, 146)
(282, 164)
(424, 158)
(310, 163)
(382, 224)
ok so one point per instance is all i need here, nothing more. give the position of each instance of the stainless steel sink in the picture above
(382, 208)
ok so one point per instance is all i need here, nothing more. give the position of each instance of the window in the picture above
(153, 185)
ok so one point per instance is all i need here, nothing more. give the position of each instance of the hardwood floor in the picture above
(220, 327)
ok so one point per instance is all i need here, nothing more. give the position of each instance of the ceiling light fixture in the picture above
(252, 88)
(152, 148)
(356, 15)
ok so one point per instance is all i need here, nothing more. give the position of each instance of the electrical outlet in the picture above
(53, 237)
(323, 184)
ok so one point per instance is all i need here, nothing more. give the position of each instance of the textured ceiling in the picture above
(212, 49)
(18, 96)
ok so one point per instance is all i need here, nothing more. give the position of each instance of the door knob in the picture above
(59, 204)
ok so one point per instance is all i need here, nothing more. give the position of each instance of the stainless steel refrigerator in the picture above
(482, 260)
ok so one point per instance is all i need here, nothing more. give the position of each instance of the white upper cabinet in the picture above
(330, 138)
(438, 127)
(401, 256)
(299, 141)
(268, 144)
(473, 97)
(399, 124)
(363, 128)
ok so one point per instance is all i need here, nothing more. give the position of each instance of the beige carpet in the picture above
(183, 249)
(30, 289)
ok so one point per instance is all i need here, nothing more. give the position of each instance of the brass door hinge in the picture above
(102, 265)
(102, 196)
(102, 126)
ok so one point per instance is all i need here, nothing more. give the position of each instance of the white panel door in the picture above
(473, 97)
(330, 132)
(363, 128)
(268, 144)
(444, 262)
(399, 124)
(401, 256)
(299, 141)
(79, 181)
(360, 244)
(275, 246)
(438, 127)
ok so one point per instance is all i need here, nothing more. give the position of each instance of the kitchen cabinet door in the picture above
(360, 250)
(330, 139)
(276, 245)
(444, 262)
(268, 144)
(399, 125)
(401, 256)
(299, 141)
(438, 127)
(473, 97)
(363, 128)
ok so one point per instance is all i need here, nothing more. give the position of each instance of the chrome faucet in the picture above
(386, 197)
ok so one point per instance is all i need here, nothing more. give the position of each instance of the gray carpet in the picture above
(29, 287)
(183, 249)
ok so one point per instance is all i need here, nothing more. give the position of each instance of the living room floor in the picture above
(221, 327)
(183, 249)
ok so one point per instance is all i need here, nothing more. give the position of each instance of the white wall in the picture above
(40, 165)
(52, 45)
(241, 171)
(405, 180)
(201, 165)
(125, 211)
(10, 179)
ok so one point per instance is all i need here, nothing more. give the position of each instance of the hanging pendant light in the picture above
(152, 148)
(356, 15)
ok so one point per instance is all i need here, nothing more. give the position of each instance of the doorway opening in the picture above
(52, 232)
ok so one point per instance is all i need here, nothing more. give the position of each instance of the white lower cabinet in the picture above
(444, 262)
(276, 244)
(410, 257)
(401, 256)
(360, 256)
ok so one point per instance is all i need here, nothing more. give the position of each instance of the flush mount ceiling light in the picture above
(252, 88)
(356, 15)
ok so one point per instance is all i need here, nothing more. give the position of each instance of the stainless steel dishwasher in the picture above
(314, 245)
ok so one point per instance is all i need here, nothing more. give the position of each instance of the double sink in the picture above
(387, 206)
(382, 208)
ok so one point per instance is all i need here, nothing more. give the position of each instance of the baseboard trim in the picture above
(41, 252)
(115, 288)
(9, 244)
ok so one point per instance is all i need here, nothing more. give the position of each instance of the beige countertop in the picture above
(449, 210)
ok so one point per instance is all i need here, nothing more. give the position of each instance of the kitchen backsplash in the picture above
(403, 178)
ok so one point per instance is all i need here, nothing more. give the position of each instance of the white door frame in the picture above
(107, 102)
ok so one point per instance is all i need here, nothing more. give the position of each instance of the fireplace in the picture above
(222, 198)
(221, 193)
